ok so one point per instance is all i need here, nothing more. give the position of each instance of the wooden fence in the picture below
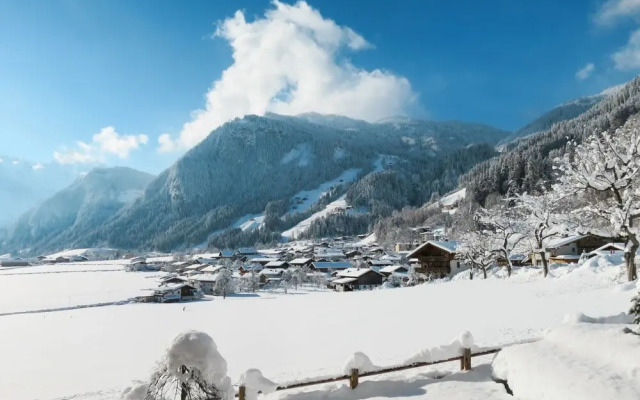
(353, 377)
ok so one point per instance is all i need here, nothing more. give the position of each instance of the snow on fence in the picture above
(193, 368)
(362, 366)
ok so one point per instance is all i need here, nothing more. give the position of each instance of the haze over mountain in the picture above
(91, 200)
(23, 184)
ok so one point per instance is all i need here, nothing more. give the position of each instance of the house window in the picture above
(573, 249)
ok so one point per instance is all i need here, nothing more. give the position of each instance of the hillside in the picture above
(529, 162)
(84, 205)
(273, 169)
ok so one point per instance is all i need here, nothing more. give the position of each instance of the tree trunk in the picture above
(484, 272)
(545, 265)
(630, 259)
(509, 266)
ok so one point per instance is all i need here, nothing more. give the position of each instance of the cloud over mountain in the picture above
(290, 61)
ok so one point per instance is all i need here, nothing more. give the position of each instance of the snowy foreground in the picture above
(95, 353)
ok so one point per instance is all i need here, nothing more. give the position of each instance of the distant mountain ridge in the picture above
(562, 112)
(256, 165)
(88, 202)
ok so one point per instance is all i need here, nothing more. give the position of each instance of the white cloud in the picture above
(37, 166)
(585, 72)
(105, 143)
(613, 10)
(288, 62)
(628, 57)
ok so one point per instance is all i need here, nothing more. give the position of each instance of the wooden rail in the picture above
(353, 377)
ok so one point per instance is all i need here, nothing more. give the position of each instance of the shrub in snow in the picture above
(255, 382)
(191, 365)
(359, 361)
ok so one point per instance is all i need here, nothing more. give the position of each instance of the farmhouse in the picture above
(356, 279)
(176, 292)
(272, 275)
(569, 249)
(436, 258)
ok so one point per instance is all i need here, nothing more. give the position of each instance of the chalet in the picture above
(250, 267)
(176, 292)
(277, 265)
(272, 275)
(329, 267)
(356, 279)
(206, 283)
(568, 249)
(227, 254)
(277, 253)
(406, 246)
(301, 262)
(436, 258)
(330, 255)
(394, 269)
(263, 260)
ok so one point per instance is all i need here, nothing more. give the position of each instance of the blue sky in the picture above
(117, 75)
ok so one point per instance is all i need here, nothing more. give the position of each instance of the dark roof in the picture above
(332, 265)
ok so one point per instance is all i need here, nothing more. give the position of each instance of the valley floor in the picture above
(94, 353)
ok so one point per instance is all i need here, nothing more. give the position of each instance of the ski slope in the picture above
(303, 226)
(94, 353)
(304, 200)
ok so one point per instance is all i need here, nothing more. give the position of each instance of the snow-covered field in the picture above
(47, 287)
(95, 353)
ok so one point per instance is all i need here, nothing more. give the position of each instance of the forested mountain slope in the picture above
(257, 165)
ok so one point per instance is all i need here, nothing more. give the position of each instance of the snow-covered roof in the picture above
(194, 267)
(449, 246)
(354, 272)
(380, 262)
(212, 268)
(332, 265)
(566, 257)
(271, 252)
(342, 281)
(275, 264)
(608, 247)
(300, 261)
(226, 253)
(563, 241)
(206, 256)
(170, 288)
(271, 271)
(206, 277)
(392, 268)
(247, 250)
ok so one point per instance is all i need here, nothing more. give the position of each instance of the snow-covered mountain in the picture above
(89, 201)
(562, 112)
(23, 184)
(264, 175)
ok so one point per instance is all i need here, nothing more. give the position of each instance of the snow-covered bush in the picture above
(191, 365)
(635, 308)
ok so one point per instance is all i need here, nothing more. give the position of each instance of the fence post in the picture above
(242, 392)
(353, 379)
(465, 361)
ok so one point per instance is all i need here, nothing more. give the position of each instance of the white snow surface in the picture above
(583, 361)
(99, 351)
(303, 226)
(312, 196)
(249, 222)
(453, 198)
(255, 382)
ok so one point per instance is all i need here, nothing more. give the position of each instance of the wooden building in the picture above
(356, 279)
(569, 249)
(436, 258)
